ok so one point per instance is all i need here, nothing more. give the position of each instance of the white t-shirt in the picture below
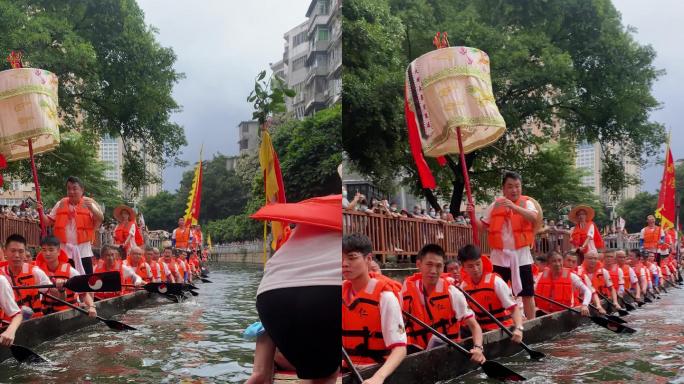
(606, 278)
(580, 286)
(129, 273)
(312, 256)
(392, 321)
(7, 303)
(85, 249)
(498, 256)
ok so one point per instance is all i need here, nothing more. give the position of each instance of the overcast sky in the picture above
(660, 25)
(221, 46)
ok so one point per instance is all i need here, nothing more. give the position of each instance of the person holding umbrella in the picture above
(584, 235)
(74, 219)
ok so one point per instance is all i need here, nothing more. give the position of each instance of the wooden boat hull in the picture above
(37, 331)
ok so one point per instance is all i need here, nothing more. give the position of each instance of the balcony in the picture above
(318, 102)
(313, 72)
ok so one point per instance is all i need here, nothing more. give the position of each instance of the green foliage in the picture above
(635, 210)
(161, 211)
(234, 228)
(568, 67)
(114, 78)
(75, 156)
(268, 103)
(309, 153)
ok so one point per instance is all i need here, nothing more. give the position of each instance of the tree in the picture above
(114, 78)
(310, 151)
(634, 211)
(552, 179)
(161, 211)
(75, 156)
(569, 68)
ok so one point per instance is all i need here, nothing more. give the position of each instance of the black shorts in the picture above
(526, 278)
(305, 324)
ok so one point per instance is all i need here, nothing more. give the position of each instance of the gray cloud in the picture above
(221, 46)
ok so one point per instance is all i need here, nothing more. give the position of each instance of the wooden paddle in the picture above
(609, 317)
(533, 354)
(25, 355)
(628, 306)
(621, 311)
(112, 324)
(601, 321)
(161, 288)
(491, 368)
(96, 282)
(355, 372)
(639, 303)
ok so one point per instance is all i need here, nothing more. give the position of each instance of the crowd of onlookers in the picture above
(22, 211)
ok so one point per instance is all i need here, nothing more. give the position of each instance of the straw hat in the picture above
(118, 210)
(572, 216)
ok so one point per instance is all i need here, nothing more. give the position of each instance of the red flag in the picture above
(665, 210)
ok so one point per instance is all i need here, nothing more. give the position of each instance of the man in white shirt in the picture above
(510, 222)
(10, 309)
(20, 273)
(74, 219)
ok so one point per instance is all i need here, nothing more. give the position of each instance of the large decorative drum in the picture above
(451, 87)
(28, 110)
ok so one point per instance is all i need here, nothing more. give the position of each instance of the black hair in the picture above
(357, 242)
(50, 241)
(571, 252)
(549, 255)
(449, 262)
(431, 248)
(469, 252)
(75, 180)
(510, 175)
(17, 238)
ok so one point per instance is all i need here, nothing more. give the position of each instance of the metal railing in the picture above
(399, 236)
(30, 229)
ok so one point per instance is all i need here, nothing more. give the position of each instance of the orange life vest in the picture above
(396, 286)
(485, 294)
(626, 276)
(84, 222)
(122, 231)
(196, 240)
(100, 267)
(615, 276)
(143, 270)
(180, 264)
(559, 289)
(182, 237)
(434, 309)
(579, 236)
(157, 271)
(61, 272)
(651, 237)
(173, 266)
(598, 282)
(523, 230)
(25, 297)
(361, 323)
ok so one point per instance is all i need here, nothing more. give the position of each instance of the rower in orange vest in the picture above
(429, 297)
(453, 271)
(9, 312)
(180, 238)
(632, 283)
(490, 291)
(173, 275)
(55, 263)
(136, 262)
(372, 323)
(617, 276)
(18, 273)
(652, 266)
(592, 271)
(570, 262)
(562, 285)
(109, 261)
(635, 263)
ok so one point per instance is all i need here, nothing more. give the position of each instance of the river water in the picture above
(591, 354)
(197, 341)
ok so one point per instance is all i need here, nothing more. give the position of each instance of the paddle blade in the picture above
(164, 288)
(629, 306)
(206, 281)
(25, 355)
(647, 299)
(500, 372)
(616, 319)
(194, 293)
(622, 312)
(172, 298)
(187, 287)
(611, 325)
(118, 326)
(97, 282)
(536, 355)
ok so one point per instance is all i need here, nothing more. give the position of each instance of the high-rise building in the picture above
(248, 132)
(588, 157)
(312, 59)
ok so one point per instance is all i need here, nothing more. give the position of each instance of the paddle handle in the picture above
(439, 335)
(355, 372)
(557, 303)
(478, 305)
(34, 286)
(68, 304)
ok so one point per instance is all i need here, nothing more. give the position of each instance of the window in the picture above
(323, 7)
(299, 39)
(323, 34)
(298, 63)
